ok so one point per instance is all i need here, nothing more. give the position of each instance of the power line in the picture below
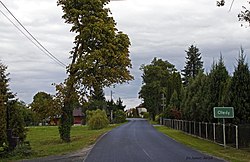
(231, 5)
(24, 33)
(41, 47)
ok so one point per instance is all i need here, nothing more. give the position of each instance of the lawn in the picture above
(208, 147)
(45, 140)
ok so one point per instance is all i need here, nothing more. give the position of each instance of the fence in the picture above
(237, 136)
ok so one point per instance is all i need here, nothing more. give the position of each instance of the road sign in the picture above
(223, 112)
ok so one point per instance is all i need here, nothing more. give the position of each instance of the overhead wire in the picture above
(23, 33)
(34, 41)
(231, 6)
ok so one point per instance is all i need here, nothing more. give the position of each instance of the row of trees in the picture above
(15, 115)
(194, 96)
(100, 58)
(46, 106)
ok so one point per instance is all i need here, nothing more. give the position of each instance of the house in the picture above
(77, 114)
(141, 110)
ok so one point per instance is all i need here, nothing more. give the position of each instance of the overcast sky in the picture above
(157, 28)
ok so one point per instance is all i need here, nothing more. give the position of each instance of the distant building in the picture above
(140, 109)
(77, 114)
(136, 112)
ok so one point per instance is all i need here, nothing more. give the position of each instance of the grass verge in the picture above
(45, 140)
(208, 147)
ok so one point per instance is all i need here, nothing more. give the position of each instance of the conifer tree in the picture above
(4, 90)
(217, 95)
(194, 64)
(240, 88)
(11, 119)
(97, 99)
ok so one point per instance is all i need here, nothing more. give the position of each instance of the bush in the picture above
(23, 150)
(145, 115)
(97, 119)
(119, 116)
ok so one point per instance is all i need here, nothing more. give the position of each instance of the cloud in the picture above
(163, 29)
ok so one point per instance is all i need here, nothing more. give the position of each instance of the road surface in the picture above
(138, 141)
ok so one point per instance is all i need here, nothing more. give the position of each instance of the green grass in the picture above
(208, 147)
(153, 122)
(45, 140)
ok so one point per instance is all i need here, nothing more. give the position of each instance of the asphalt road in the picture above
(138, 141)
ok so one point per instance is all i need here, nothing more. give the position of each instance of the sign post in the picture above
(224, 112)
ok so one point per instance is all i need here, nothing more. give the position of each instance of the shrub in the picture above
(97, 119)
(119, 116)
(145, 115)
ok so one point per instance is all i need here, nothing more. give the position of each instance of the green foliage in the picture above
(28, 115)
(97, 119)
(66, 99)
(100, 57)
(218, 89)
(159, 77)
(11, 116)
(119, 116)
(119, 104)
(23, 150)
(101, 54)
(4, 90)
(193, 64)
(240, 88)
(44, 106)
(145, 115)
(158, 117)
(17, 123)
(97, 99)
(205, 92)
(64, 130)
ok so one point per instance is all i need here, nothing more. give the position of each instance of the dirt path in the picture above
(78, 156)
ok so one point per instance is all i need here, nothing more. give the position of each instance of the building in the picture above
(77, 114)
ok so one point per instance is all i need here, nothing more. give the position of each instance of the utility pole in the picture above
(163, 98)
(111, 95)
(111, 111)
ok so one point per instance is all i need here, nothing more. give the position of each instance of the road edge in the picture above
(99, 140)
(189, 146)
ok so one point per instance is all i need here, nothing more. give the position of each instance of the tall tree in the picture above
(100, 56)
(240, 88)
(195, 93)
(97, 99)
(193, 65)
(11, 118)
(4, 90)
(159, 77)
(119, 104)
(44, 106)
(218, 84)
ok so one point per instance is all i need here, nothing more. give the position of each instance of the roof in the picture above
(78, 112)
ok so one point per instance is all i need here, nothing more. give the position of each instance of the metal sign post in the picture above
(224, 112)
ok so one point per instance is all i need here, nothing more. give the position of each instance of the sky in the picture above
(156, 28)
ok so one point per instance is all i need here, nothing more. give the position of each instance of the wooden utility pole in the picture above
(163, 98)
